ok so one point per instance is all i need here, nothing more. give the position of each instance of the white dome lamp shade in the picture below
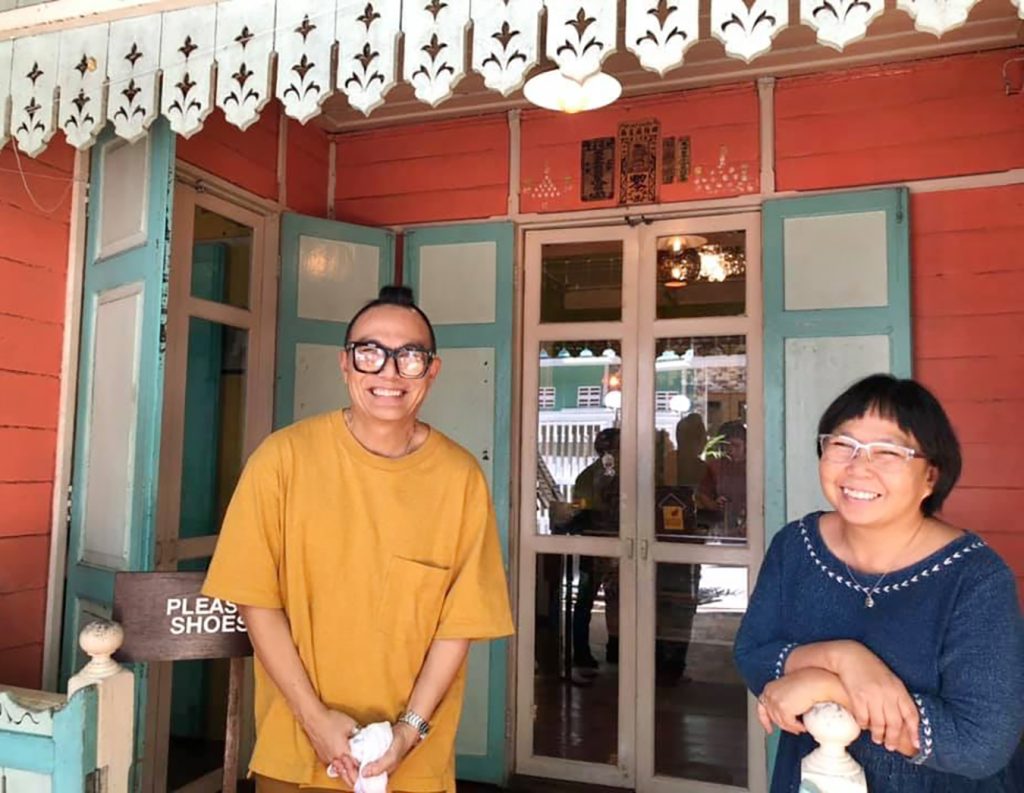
(554, 91)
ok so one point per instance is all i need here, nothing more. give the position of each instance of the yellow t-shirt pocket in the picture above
(410, 606)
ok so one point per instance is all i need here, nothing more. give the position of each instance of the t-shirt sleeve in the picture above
(476, 605)
(245, 563)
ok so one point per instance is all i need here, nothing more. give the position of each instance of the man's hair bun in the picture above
(396, 296)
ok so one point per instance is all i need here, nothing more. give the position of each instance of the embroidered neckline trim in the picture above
(892, 587)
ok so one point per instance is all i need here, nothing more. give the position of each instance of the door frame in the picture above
(192, 191)
(531, 545)
(638, 331)
(749, 325)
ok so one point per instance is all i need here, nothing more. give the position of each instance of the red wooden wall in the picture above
(33, 268)
(722, 124)
(921, 120)
(249, 159)
(450, 170)
(968, 306)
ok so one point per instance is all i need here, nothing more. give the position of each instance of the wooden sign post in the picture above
(165, 618)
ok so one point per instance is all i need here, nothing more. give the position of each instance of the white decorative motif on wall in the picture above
(367, 34)
(747, 32)
(186, 60)
(506, 41)
(245, 42)
(937, 16)
(83, 68)
(6, 50)
(305, 36)
(659, 32)
(33, 91)
(132, 61)
(840, 22)
(435, 46)
(580, 35)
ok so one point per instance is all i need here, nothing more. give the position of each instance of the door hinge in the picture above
(96, 781)
(508, 724)
(67, 506)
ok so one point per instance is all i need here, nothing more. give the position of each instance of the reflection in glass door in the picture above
(641, 511)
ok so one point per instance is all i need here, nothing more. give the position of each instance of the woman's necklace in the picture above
(408, 445)
(869, 594)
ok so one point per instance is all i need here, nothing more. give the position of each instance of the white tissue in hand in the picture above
(366, 746)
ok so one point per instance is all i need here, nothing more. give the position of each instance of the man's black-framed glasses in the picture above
(369, 357)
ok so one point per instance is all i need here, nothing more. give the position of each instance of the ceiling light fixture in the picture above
(552, 90)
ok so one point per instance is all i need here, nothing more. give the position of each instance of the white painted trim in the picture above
(65, 14)
(65, 422)
(332, 176)
(203, 182)
(515, 139)
(766, 107)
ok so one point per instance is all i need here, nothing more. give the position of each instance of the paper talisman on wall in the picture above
(638, 162)
(598, 169)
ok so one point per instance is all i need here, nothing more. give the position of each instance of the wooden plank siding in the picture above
(247, 159)
(307, 169)
(720, 122)
(452, 170)
(33, 269)
(968, 307)
(920, 120)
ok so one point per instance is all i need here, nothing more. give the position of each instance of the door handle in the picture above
(643, 550)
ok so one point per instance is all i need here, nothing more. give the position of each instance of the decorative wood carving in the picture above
(6, 51)
(305, 36)
(659, 32)
(506, 41)
(435, 46)
(580, 35)
(186, 60)
(840, 22)
(937, 16)
(367, 34)
(132, 62)
(747, 32)
(245, 41)
(82, 73)
(33, 87)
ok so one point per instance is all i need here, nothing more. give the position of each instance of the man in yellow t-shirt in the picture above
(362, 550)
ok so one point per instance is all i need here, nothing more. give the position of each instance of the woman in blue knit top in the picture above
(912, 624)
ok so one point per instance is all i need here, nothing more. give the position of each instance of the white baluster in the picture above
(115, 729)
(830, 768)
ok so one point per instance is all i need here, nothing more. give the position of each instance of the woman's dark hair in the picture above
(393, 295)
(917, 412)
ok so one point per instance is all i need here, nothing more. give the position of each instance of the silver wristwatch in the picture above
(415, 721)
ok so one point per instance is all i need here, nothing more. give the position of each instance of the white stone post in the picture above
(115, 730)
(830, 768)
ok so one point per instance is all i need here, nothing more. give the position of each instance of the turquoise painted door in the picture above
(328, 271)
(836, 308)
(120, 380)
(463, 279)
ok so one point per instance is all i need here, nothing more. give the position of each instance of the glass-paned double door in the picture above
(641, 504)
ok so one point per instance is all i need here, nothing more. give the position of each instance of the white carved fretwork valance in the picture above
(233, 56)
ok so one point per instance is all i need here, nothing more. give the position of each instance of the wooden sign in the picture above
(597, 182)
(638, 162)
(165, 618)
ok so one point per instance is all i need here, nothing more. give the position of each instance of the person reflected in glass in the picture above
(729, 472)
(911, 623)
(596, 495)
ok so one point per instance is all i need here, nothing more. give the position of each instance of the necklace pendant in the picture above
(869, 601)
